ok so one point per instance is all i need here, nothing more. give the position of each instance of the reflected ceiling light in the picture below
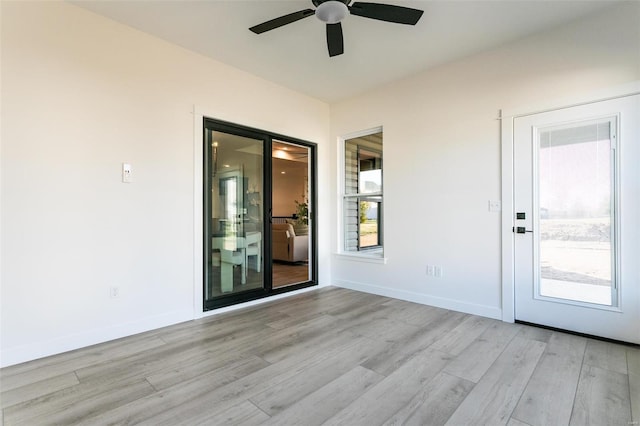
(214, 158)
(283, 173)
(226, 165)
(280, 154)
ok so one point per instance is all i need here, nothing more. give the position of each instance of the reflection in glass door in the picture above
(291, 246)
(233, 204)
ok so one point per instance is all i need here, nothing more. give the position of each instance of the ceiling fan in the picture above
(333, 11)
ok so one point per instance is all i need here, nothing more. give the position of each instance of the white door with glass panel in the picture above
(577, 218)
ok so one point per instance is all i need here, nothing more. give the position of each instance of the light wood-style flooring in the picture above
(336, 357)
(285, 274)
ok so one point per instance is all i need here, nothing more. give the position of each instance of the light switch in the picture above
(127, 173)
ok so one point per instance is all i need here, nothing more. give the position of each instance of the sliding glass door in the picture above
(239, 230)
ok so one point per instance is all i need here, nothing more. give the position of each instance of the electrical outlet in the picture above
(495, 205)
(114, 292)
(430, 271)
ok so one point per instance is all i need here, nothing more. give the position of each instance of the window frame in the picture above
(375, 251)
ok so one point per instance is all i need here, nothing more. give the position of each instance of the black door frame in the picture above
(268, 138)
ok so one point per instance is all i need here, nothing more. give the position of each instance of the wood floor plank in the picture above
(281, 396)
(37, 389)
(323, 301)
(391, 394)
(558, 369)
(494, 397)
(414, 313)
(362, 305)
(434, 404)
(199, 399)
(396, 355)
(602, 398)
(142, 409)
(222, 371)
(472, 363)
(609, 356)
(72, 404)
(223, 327)
(515, 422)
(325, 402)
(304, 309)
(460, 337)
(634, 394)
(143, 364)
(45, 368)
(384, 329)
(535, 333)
(279, 346)
(633, 366)
(242, 414)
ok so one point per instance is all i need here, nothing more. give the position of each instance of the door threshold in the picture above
(575, 333)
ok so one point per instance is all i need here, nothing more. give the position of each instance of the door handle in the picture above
(520, 230)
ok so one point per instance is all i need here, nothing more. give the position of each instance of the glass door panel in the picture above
(234, 227)
(576, 177)
(291, 245)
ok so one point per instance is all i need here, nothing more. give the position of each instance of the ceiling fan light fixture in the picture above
(332, 11)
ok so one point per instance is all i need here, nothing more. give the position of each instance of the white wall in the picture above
(80, 95)
(442, 155)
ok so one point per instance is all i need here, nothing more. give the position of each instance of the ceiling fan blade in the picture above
(334, 39)
(386, 12)
(283, 20)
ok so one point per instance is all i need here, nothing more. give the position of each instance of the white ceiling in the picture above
(376, 53)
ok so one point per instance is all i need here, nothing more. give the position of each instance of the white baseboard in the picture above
(76, 341)
(410, 296)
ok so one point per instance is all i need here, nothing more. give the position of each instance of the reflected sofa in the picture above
(287, 246)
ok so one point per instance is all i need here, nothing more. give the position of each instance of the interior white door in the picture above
(577, 224)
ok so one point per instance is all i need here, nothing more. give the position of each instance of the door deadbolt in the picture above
(521, 230)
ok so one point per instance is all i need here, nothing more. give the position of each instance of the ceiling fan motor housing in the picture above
(331, 11)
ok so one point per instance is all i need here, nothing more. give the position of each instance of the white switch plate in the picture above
(437, 271)
(127, 173)
(495, 205)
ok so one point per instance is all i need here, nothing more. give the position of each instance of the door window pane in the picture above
(576, 191)
(234, 210)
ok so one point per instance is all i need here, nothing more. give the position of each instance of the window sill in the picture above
(370, 257)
